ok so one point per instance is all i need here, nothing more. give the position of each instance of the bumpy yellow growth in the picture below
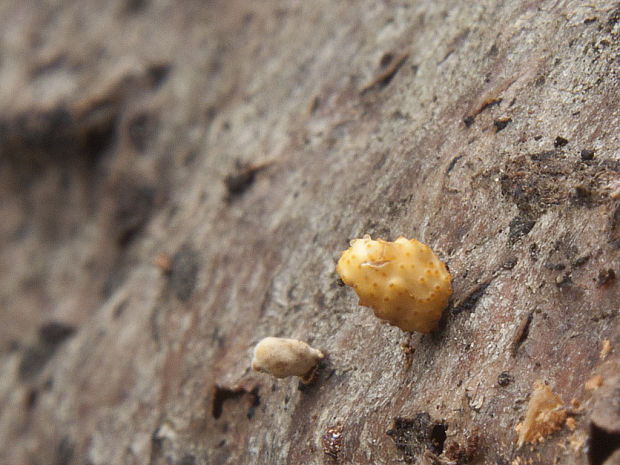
(403, 281)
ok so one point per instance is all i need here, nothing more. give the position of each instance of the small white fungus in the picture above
(281, 357)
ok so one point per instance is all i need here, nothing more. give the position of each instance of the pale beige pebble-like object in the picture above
(545, 415)
(402, 281)
(282, 357)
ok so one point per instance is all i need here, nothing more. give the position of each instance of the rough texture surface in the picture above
(178, 179)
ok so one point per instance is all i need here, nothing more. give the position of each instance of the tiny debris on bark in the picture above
(500, 124)
(413, 435)
(385, 77)
(333, 441)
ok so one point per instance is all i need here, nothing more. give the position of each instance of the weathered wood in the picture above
(178, 180)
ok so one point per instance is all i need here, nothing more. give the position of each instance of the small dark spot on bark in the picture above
(587, 155)
(30, 400)
(583, 195)
(158, 73)
(398, 114)
(55, 332)
(560, 142)
(504, 379)
(590, 20)
(555, 266)
(510, 263)
(381, 161)
(221, 394)
(96, 129)
(437, 438)
(319, 299)
(468, 121)
(413, 435)
(533, 250)
(606, 276)
(501, 123)
(33, 360)
(519, 227)
(135, 6)
(386, 77)
(45, 130)
(12, 346)
(64, 452)
(254, 402)
(190, 157)
(134, 205)
(409, 435)
(120, 309)
(470, 302)
(581, 261)
(453, 163)
(35, 357)
(395, 211)
(314, 105)
(386, 59)
(184, 272)
(540, 81)
(141, 129)
(240, 180)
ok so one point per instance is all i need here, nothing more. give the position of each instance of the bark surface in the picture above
(178, 180)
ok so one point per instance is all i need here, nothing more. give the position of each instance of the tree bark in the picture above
(178, 180)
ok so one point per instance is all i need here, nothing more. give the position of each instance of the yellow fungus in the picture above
(390, 278)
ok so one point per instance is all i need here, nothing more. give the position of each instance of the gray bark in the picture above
(178, 180)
